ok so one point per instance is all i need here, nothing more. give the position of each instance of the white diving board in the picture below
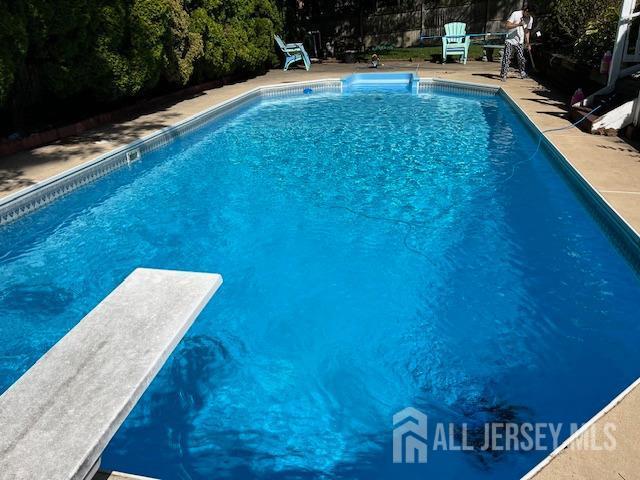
(56, 420)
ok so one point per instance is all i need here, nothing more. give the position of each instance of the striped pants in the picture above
(506, 58)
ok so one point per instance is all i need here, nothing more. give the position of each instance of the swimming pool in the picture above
(380, 250)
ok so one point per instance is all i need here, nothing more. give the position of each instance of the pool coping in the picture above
(31, 198)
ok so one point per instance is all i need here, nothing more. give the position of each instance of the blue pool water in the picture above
(379, 251)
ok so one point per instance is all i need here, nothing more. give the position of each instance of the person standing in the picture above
(519, 27)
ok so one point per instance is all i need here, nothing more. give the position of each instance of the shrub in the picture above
(587, 28)
(82, 53)
(182, 45)
(13, 45)
(237, 35)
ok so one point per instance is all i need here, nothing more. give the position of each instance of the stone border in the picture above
(38, 139)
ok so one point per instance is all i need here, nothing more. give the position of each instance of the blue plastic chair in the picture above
(293, 52)
(455, 41)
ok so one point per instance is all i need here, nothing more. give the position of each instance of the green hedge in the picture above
(585, 29)
(86, 53)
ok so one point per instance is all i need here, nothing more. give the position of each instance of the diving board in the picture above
(56, 420)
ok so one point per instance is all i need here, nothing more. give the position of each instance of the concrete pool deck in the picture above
(609, 164)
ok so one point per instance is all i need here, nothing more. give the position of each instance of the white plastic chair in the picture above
(293, 52)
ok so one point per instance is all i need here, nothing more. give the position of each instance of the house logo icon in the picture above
(409, 436)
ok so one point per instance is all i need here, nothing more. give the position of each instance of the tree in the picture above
(586, 27)
(61, 56)
(13, 45)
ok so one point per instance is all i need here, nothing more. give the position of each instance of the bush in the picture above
(586, 28)
(61, 56)
(13, 45)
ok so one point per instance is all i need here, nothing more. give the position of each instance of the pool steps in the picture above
(57, 419)
(405, 82)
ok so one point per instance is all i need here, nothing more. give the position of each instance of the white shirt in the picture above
(515, 36)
